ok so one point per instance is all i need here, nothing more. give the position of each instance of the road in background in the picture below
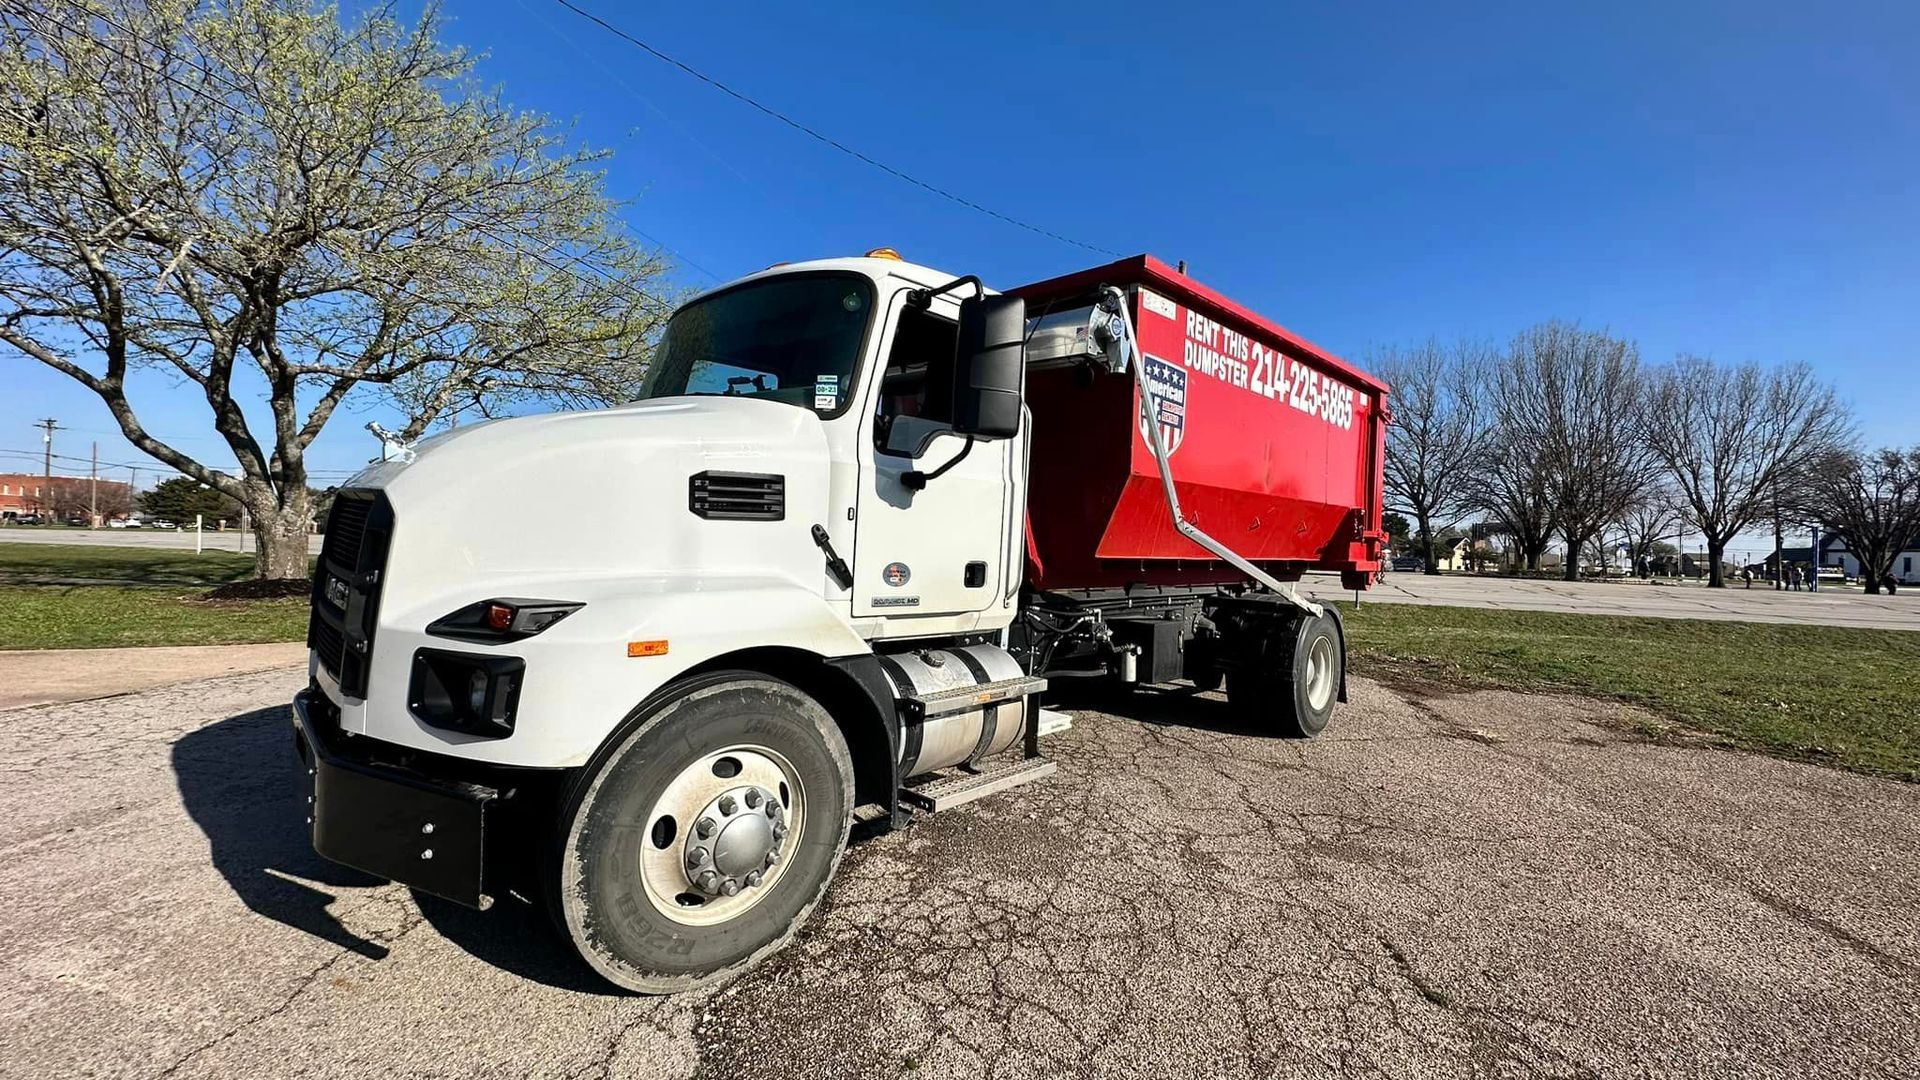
(165, 539)
(1659, 600)
(1488, 884)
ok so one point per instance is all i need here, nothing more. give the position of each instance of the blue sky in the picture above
(1734, 180)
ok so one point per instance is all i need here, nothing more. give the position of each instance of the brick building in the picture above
(32, 493)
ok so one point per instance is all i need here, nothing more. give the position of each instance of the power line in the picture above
(822, 137)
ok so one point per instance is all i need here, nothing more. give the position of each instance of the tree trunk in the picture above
(1715, 550)
(281, 534)
(1426, 546)
(1572, 570)
(1533, 557)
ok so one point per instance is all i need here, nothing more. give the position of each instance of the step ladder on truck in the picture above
(859, 515)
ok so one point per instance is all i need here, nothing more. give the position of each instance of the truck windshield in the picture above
(795, 340)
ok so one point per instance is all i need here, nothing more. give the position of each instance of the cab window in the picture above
(916, 388)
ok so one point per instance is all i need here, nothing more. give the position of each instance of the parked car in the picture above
(1832, 575)
(163, 523)
(29, 519)
(1407, 564)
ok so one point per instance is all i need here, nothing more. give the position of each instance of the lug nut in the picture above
(698, 856)
(727, 805)
(705, 826)
(427, 829)
(427, 854)
(753, 879)
(708, 881)
(772, 857)
(753, 797)
(731, 887)
(773, 809)
(779, 829)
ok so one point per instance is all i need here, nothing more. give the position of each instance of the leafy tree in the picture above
(1397, 527)
(181, 498)
(269, 204)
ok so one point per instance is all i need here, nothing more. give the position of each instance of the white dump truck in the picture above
(644, 666)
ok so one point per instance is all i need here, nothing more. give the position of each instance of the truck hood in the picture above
(584, 494)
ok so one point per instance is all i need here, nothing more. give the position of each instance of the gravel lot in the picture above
(1475, 885)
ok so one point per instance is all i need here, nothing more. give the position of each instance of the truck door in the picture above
(941, 550)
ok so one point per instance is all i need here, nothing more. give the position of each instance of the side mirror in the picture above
(989, 369)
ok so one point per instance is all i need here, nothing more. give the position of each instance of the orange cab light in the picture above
(499, 618)
(647, 648)
(884, 253)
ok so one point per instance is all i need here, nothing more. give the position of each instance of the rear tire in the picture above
(701, 839)
(1293, 680)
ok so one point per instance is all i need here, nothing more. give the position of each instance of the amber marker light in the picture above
(646, 648)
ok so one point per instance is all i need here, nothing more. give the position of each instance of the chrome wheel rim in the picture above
(720, 835)
(1320, 673)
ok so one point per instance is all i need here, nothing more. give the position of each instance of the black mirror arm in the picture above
(920, 298)
(916, 480)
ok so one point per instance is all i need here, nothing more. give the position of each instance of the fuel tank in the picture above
(955, 737)
(1276, 445)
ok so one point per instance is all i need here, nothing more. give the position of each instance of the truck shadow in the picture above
(242, 784)
(1176, 705)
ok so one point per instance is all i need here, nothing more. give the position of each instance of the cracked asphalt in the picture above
(1484, 884)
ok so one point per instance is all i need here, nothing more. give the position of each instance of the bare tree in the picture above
(264, 203)
(1572, 397)
(1725, 434)
(1439, 433)
(1870, 500)
(76, 496)
(1647, 522)
(1513, 487)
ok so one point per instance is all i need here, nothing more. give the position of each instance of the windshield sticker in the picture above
(826, 392)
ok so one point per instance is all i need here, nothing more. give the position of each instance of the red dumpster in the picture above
(1275, 444)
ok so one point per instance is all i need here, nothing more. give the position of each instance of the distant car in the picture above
(1832, 575)
(29, 519)
(163, 523)
(1406, 564)
(79, 521)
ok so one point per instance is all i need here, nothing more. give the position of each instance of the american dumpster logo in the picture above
(1169, 385)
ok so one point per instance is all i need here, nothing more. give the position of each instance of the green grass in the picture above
(106, 616)
(74, 596)
(1842, 696)
(35, 564)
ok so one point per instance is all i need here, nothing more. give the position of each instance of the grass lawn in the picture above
(1840, 696)
(35, 564)
(154, 599)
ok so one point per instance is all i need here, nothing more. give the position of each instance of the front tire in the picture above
(701, 841)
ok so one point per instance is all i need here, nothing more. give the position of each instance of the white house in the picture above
(1906, 565)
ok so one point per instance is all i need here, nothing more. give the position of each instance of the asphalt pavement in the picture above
(1485, 884)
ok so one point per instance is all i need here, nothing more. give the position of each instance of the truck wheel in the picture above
(1293, 682)
(698, 843)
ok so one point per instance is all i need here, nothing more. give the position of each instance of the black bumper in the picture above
(423, 832)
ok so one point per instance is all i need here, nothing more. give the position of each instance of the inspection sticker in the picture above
(826, 391)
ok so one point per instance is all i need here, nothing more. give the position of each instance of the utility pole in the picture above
(49, 426)
(93, 488)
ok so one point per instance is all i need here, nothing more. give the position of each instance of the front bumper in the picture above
(421, 831)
